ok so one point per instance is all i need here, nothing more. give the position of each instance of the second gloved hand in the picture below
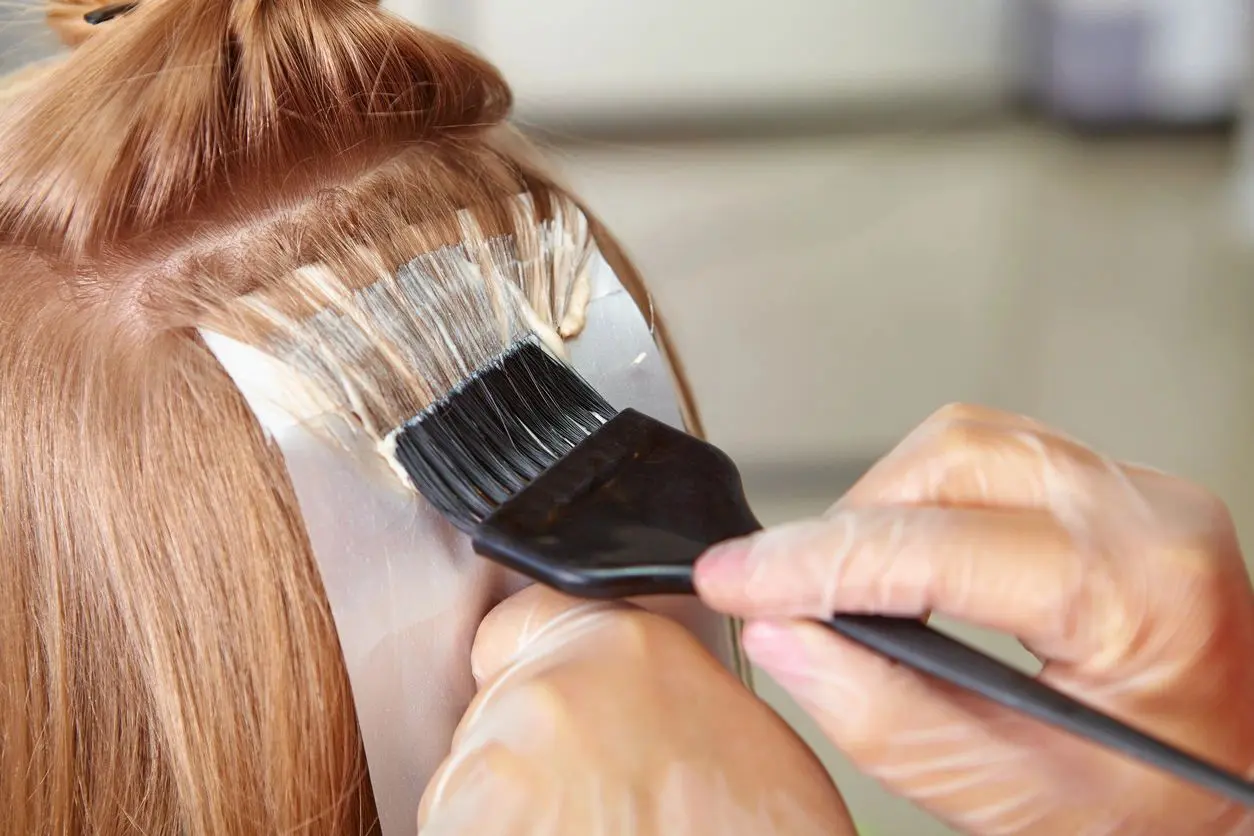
(1126, 583)
(601, 719)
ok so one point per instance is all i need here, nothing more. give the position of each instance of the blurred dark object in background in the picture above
(1136, 64)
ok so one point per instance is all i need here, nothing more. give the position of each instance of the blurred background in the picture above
(855, 211)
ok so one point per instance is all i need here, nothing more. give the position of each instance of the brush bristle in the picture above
(495, 433)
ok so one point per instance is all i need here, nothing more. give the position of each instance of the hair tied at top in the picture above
(193, 97)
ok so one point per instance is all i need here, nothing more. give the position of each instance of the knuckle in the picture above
(1202, 539)
(545, 698)
(1217, 513)
(959, 452)
(642, 634)
(962, 437)
(979, 413)
(1200, 562)
(966, 431)
(501, 759)
(955, 412)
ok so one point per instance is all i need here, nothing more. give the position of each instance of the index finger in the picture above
(968, 455)
(1013, 571)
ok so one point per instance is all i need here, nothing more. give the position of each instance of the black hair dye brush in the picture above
(550, 480)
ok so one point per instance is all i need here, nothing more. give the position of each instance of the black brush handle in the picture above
(631, 508)
(928, 651)
(106, 13)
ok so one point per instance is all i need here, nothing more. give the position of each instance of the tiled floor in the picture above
(828, 294)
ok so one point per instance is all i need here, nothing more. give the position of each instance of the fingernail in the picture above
(724, 564)
(743, 563)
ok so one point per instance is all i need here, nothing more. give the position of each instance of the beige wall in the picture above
(576, 59)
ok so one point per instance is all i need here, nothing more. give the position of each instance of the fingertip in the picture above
(835, 680)
(719, 574)
(767, 574)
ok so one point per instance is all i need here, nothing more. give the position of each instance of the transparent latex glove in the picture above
(601, 719)
(1126, 583)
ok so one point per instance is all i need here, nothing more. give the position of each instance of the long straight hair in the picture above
(168, 661)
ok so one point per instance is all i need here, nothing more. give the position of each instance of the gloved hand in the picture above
(600, 719)
(1126, 583)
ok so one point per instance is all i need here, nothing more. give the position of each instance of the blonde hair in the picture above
(168, 662)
